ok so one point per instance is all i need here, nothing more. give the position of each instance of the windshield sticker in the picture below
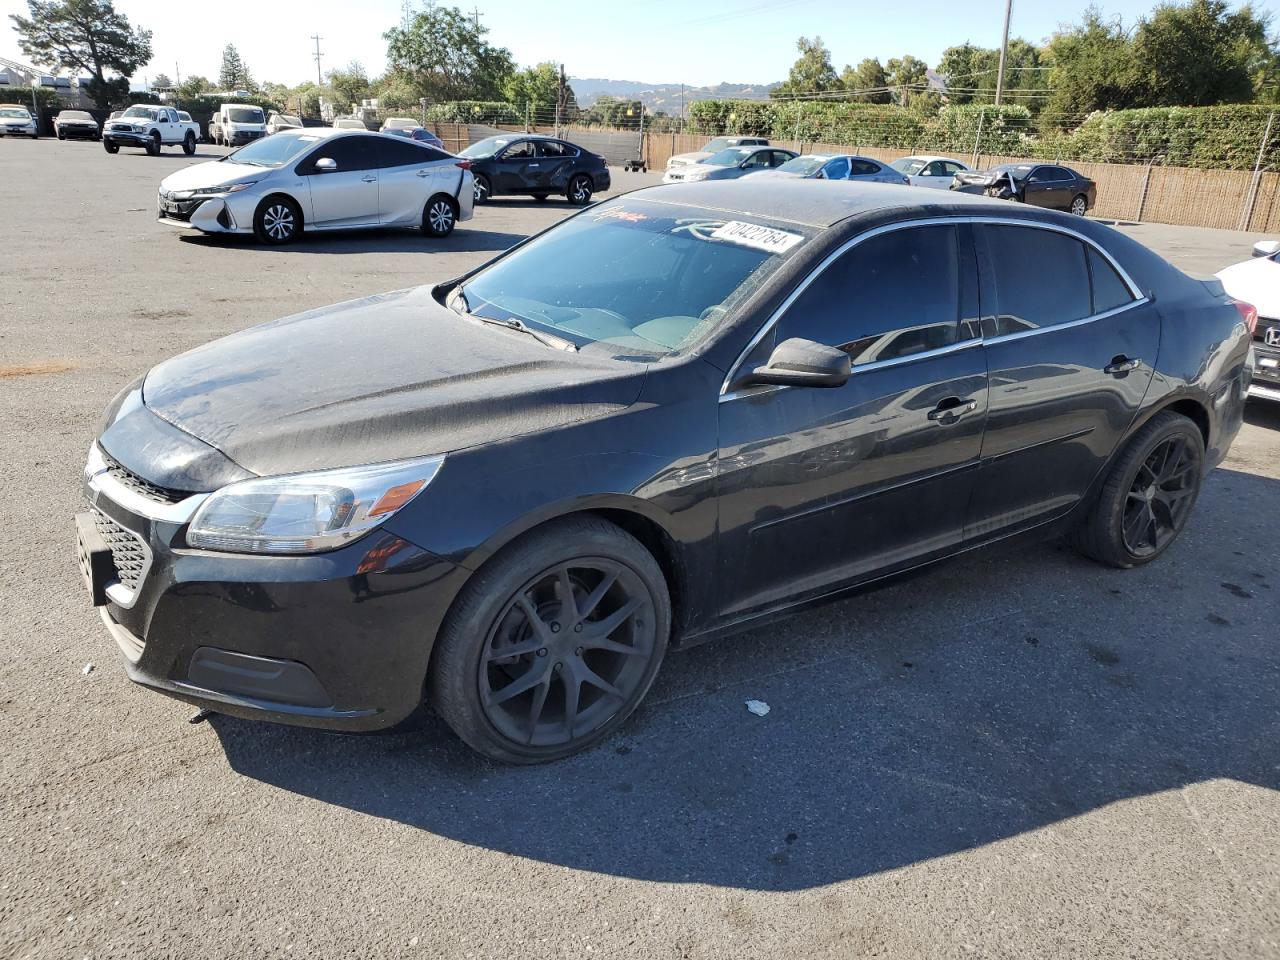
(618, 213)
(754, 235)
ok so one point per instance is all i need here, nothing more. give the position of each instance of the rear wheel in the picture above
(1148, 495)
(553, 644)
(439, 216)
(482, 188)
(579, 191)
(277, 220)
(1079, 204)
(189, 144)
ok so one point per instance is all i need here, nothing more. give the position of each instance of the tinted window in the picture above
(520, 151)
(1109, 291)
(349, 153)
(1057, 173)
(890, 296)
(779, 158)
(404, 153)
(554, 148)
(1040, 277)
(837, 169)
(758, 160)
(863, 168)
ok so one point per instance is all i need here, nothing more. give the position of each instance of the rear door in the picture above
(408, 173)
(553, 165)
(347, 196)
(820, 487)
(1070, 346)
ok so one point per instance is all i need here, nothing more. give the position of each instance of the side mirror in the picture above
(803, 363)
(1266, 248)
(326, 165)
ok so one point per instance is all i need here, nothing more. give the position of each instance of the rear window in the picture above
(1041, 278)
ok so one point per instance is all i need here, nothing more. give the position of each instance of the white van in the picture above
(234, 124)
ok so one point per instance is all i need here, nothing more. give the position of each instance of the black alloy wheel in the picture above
(553, 644)
(1148, 495)
(579, 192)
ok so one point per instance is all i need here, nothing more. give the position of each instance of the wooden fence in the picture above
(1228, 199)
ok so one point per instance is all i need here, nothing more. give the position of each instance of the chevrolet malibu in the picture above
(320, 179)
(677, 414)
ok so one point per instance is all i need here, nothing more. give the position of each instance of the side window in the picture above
(1039, 175)
(1041, 279)
(523, 150)
(951, 169)
(863, 168)
(890, 296)
(1109, 291)
(1057, 173)
(837, 169)
(404, 153)
(554, 148)
(349, 153)
(779, 158)
(936, 169)
(757, 161)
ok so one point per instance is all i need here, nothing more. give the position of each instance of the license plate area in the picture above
(94, 556)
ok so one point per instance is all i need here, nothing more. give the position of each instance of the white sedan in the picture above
(1257, 281)
(925, 171)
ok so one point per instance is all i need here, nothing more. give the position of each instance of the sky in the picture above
(655, 41)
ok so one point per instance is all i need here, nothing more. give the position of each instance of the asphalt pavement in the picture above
(1020, 755)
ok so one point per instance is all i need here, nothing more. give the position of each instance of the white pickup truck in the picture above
(150, 127)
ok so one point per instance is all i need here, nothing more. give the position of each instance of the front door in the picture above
(348, 195)
(517, 168)
(1071, 349)
(1049, 187)
(820, 487)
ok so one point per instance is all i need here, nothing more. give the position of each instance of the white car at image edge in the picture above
(1257, 281)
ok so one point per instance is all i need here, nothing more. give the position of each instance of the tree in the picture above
(443, 53)
(970, 74)
(811, 73)
(1092, 69)
(350, 85)
(1200, 54)
(905, 74)
(868, 76)
(161, 81)
(537, 87)
(194, 86)
(307, 95)
(88, 36)
(609, 112)
(234, 74)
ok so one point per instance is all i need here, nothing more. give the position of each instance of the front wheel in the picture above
(1079, 205)
(153, 145)
(439, 217)
(61, 135)
(1148, 495)
(189, 144)
(482, 188)
(553, 644)
(579, 192)
(277, 221)
(110, 146)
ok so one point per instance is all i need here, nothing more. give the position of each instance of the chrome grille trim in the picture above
(99, 481)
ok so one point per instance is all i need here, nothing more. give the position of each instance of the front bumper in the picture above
(88, 132)
(239, 137)
(27, 131)
(1266, 367)
(206, 214)
(339, 640)
(127, 139)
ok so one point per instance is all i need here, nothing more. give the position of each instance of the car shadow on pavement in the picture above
(372, 241)
(1263, 413)
(1001, 695)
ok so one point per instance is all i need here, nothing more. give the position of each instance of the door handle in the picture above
(534, 166)
(951, 409)
(1121, 365)
(423, 173)
(369, 179)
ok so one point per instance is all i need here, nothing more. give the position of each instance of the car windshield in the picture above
(1016, 170)
(244, 115)
(274, 151)
(140, 113)
(728, 158)
(14, 113)
(485, 148)
(640, 278)
(909, 166)
(74, 115)
(804, 166)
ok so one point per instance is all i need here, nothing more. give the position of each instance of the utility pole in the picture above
(560, 104)
(1004, 51)
(475, 18)
(317, 38)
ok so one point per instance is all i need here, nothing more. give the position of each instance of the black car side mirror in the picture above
(803, 363)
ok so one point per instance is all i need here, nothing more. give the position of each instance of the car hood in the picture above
(384, 378)
(212, 173)
(1255, 281)
(680, 159)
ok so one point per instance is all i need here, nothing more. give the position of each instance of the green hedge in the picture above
(474, 111)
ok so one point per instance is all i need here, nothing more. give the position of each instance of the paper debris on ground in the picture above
(758, 707)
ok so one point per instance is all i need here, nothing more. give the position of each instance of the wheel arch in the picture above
(285, 195)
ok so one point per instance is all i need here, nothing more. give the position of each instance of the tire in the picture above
(541, 197)
(439, 216)
(560, 669)
(110, 146)
(278, 220)
(153, 146)
(1148, 495)
(1079, 205)
(579, 190)
(61, 135)
(483, 188)
(189, 143)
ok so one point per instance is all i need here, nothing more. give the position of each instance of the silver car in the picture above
(929, 171)
(835, 166)
(729, 164)
(321, 179)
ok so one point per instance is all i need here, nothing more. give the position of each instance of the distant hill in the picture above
(663, 96)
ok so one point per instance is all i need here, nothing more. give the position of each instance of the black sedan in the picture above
(674, 415)
(1039, 184)
(535, 166)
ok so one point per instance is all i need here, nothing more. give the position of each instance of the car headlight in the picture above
(308, 512)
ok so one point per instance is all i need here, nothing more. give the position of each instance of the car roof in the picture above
(930, 157)
(819, 203)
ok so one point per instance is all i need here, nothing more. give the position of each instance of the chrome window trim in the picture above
(101, 483)
(771, 322)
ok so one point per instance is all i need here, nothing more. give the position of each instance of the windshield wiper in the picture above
(547, 339)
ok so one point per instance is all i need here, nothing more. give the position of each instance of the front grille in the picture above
(127, 552)
(1266, 325)
(127, 478)
(181, 209)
